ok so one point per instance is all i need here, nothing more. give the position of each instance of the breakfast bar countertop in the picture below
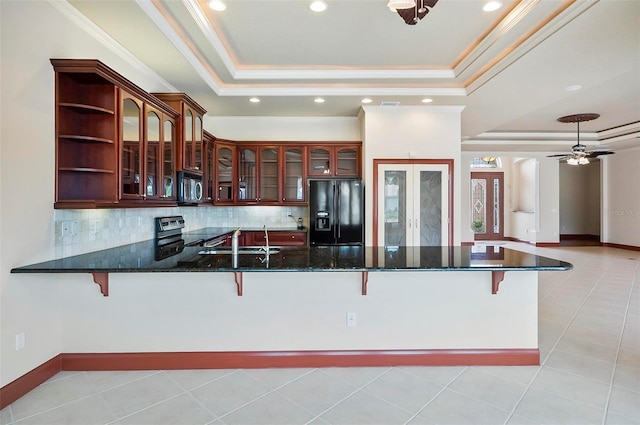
(144, 257)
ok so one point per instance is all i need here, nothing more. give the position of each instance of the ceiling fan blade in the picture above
(593, 154)
(558, 156)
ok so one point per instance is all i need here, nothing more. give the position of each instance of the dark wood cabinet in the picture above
(276, 238)
(209, 167)
(331, 161)
(190, 130)
(104, 124)
(294, 175)
(225, 171)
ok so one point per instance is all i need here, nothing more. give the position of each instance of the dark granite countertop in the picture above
(143, 257)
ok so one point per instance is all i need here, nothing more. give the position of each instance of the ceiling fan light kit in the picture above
(579, 154)
(412, 11)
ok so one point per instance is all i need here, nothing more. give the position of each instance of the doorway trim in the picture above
(378, 162)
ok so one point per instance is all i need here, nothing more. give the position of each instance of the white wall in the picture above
(402, 132)
(621, 198)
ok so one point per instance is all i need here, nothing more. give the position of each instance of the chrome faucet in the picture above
(234, 246)
(266, 240)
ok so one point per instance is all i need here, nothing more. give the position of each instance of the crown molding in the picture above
(562, 17)
(94, 31)
(340, 91)
(343, 74)
(158, 19)
(496, 34)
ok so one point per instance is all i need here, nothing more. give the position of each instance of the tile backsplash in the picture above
(80, 231)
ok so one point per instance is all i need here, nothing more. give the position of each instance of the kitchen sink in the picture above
(255, 250)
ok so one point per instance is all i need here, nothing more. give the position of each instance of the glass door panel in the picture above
(430, 208)
(479, 205)
(293, 175)
(224, 174)
(188, 140)
(247, 175)
(197, 144)
(319, 162)
(153, 164)
(268, 174)
(131, 147)
(347, 162)
(395, 208)
(168, 135)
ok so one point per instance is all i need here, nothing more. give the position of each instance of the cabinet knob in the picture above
(284, 199)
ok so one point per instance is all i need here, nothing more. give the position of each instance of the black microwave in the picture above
(189, 187)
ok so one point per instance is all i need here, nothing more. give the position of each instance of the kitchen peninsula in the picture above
(434, 305)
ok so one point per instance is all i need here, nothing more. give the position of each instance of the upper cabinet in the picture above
(224, 160)
(115, 143)
(208, 167)
(294, 174)
(190, 130)
(337, 160)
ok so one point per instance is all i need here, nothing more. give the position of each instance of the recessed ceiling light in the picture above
(427, 100)
(491, 6)
(318, 6)
(574, 87)
(318, 100)
(217, 5)
(366, 100)
(254, 100)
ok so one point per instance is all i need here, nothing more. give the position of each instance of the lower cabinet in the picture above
(277, 238)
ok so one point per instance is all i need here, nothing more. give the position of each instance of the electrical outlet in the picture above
(289, 214)
(96, 226)
(20, 341)
(75, 227)
(66, 228)
(351, 319)
(139, 221)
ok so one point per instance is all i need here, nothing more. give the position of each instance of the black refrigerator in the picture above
(336, 212)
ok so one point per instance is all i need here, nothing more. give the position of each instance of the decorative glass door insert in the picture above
(486, 205)
(414, 201)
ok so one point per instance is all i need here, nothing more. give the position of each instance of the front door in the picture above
(487, 194)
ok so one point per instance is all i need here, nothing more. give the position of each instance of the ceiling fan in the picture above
(579, 154)
(412, 11)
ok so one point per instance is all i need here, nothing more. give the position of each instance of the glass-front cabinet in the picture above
(268, 170)
(190, 130)
(347, 161)
(224, 173)
(131, 154)
(147, 156)
(247, 174)
(293, 180)
(334, 161)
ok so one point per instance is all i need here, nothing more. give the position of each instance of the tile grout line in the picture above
(552, 348)
(445, 387)
(269, 392)
(615, 365)
(351, 394)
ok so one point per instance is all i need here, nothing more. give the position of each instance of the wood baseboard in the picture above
(617, 245)
(579, 237)
(263, 359)
(547, 244)
(277, 359)
(19, 387)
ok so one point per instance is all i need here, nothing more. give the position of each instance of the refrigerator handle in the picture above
(333, 214)
(337, 213)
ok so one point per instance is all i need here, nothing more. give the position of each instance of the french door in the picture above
(413, 204)
(487, 195)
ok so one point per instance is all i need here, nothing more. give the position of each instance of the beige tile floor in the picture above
(590, 374)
